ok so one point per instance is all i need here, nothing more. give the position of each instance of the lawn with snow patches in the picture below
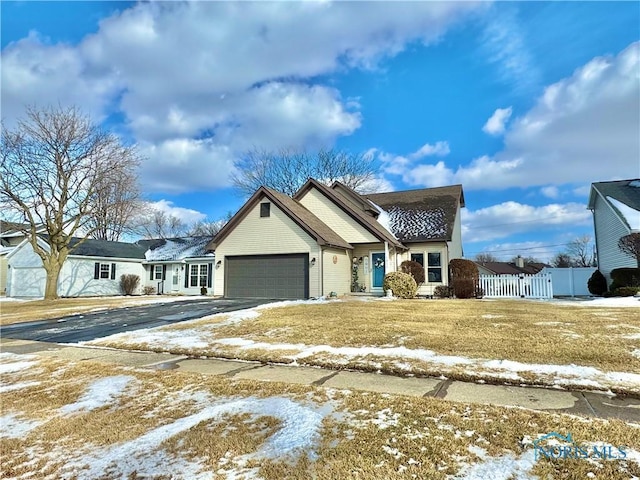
(540, 343)
(182, 425)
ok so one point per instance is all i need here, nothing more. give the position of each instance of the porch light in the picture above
(218, 263)
(313, 261)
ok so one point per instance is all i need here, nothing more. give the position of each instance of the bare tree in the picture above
(157, 223)
(562, 260)
(287, 170)
(55, 165)
(208, 228)
(630, 244)
(485, 257)
(582, 252)
(116, 207)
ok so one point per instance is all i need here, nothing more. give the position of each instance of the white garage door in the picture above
(27, 282)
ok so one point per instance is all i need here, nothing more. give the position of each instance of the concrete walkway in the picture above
(560, 401)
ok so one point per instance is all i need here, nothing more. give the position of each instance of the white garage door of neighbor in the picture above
(27, 282)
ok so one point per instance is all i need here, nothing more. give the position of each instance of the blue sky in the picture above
(525, 104)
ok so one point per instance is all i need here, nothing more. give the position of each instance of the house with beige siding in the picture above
(616, 213)
(332, 240)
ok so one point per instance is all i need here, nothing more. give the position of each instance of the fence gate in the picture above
(517, 286)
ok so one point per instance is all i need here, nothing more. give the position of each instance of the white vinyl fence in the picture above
(517, 286)
(570, 281)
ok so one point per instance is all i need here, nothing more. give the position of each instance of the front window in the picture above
(198, 275)
(105, 269)
(157, 272)
(418, 257)
(434, 267)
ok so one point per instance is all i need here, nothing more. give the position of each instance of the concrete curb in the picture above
(590, 404)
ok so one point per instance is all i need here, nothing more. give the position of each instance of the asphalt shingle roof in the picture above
(625, 191)
(421, 215)
(103, 248)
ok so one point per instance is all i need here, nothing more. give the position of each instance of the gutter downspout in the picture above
(387, 258)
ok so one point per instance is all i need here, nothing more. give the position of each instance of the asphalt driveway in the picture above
(89, 326)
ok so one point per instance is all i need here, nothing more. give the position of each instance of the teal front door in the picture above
(377, 268)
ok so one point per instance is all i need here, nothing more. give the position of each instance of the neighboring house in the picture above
(178, 265)
(318, 241)
(510, 268)
(11, 236)
(95, 266)
(616, 213)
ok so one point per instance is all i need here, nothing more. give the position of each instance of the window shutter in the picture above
(113, 271)
(152, 268)
(209, 274)
(96, 271)
(164, 272)
(186, 276)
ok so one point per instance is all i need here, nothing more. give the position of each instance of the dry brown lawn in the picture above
(26, 311)
(361, 435)
(530, 333)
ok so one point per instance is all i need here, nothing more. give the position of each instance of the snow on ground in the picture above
(12, 362)
(100, 393)
(504, 467)
(613, 302)
(161, 339)
(12, 426)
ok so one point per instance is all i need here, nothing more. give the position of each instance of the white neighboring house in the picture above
(95, 267)
(179, 265)
(616, 213)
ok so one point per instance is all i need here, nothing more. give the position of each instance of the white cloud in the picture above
(187, 215)
(504, 252)
(509, 218)
(235, 74)
(496, 123)
(550, 191)
(584, 128)
(440, 149)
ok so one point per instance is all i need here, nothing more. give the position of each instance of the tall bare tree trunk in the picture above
(53, 267)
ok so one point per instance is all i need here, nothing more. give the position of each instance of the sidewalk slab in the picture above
(26, 346)
(122, 357)
(627, 409)
(214, 366)
(534, 398)
(373, 382)
(276, 373)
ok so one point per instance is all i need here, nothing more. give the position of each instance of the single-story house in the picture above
(326, 240)
(11, 236)
(510, 268)
(616, 213)
(94, 267)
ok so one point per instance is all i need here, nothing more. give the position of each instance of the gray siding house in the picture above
(616, 213)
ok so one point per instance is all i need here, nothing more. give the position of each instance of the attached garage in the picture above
(267, 276)
(26, 282)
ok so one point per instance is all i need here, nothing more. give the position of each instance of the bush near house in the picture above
(129, 284)
(147, 290)
(625, 277)
(414, 269)
(464, 277)
(443, 291)
(597, 283)
(401, 284)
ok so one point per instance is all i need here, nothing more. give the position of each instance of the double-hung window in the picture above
(157, 272)
(198, 275)
(434, 267)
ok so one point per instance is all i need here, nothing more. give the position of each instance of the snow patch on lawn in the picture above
(299, 432)
(613, 302)
(504, 467)
(13, 362)
(17, 386)
(11, 426)
(100, 393)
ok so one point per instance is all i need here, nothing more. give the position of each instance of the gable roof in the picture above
(426, 214)
(306, 220)
(367, 221)
(181, 248)
(105, 248)
(623, 196)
